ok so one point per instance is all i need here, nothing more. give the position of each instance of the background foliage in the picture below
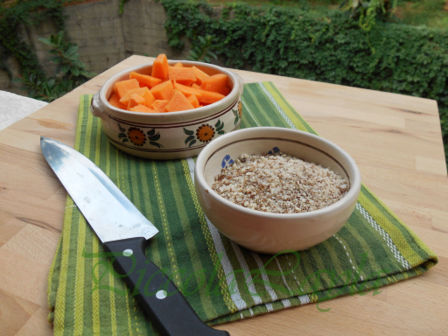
(328, 47)
(357, 47)
(24, 15)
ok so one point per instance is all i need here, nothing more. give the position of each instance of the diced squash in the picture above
(182, 75)
(193, 100)
(200, 75)
(135, 99)
(141, 108)
(217, 83)
(145, 80)
(149, 98)
(178, 103)
(169, 88)
(160, 68)
(204, 97)
(209, 97)
(125, 99)
(187, 90)
(159, 105)
(123, 86)
(163, 90)
(113, 100)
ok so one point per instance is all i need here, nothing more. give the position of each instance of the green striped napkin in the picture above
(222, 281)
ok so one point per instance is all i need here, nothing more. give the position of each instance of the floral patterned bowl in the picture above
(170, 135)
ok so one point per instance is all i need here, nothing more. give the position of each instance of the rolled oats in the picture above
(279, 183)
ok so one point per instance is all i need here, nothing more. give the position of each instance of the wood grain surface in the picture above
(396, 141)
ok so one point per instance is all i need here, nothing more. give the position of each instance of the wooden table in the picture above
(395, 139)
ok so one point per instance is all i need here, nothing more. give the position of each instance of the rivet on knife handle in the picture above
(157, 295)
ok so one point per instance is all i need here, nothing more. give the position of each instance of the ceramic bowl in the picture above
(170, 135)
(273, 232)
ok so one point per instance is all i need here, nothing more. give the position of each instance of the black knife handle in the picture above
(161, 301)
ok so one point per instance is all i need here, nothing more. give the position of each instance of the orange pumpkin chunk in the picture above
(123, 86)
(163, 90)
(113, 100)
(159, 105)
(187, 90)
(200, 75)
(135, 99)
(125, 99)
(178, 102)
(208, 97)
(217, 83)
(145, 80)
(149, 98)
(193, 100)
(160, 68)
(183, 75)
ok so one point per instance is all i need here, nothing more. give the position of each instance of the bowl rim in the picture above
(227, 100)
(209, 149)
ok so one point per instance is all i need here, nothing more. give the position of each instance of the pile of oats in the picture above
(279, 183)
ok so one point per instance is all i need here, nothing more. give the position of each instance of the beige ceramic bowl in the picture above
(168, 135)
(270, 232)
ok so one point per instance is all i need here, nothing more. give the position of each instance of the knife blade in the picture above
(124, 232)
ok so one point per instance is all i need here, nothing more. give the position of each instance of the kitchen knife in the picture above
(124, 231)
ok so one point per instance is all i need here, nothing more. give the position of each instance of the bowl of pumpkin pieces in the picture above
(168, 109)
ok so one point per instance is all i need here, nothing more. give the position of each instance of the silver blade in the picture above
(108, 211)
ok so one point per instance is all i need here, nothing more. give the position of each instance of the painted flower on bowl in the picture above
(136, 136)
(205, 133)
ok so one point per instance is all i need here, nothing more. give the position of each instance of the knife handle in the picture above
(161, 301)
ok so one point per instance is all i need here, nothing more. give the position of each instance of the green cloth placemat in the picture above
(222, 281)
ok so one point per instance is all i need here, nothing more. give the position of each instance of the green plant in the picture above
(23, 16)
(70, 73)
(201, 49)
(330, 48)
(366, 11)
(121, 6)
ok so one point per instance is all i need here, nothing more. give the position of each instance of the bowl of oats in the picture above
(273, 189)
